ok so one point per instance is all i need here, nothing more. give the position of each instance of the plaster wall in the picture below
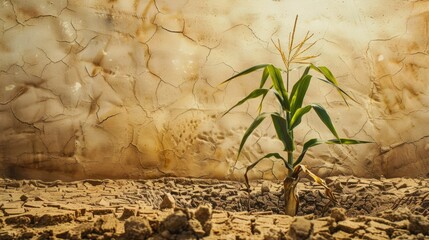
(131, 89)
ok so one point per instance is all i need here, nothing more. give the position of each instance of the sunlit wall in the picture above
(131, 89)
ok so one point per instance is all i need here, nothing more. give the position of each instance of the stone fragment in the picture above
(103, 202)
(129, 212)
(419, 224)
(350, 226)
(174, 223)
(54, 218)
(13, 211)
(101, 211)
(33, 204)
(339, 214)
(301, 228)
(381, 226)
(265, 187)
(25, 219)
(341, 235)
(395, 215)
(196, 228)
(168, 201)
(12, 205)
(106, 224)
(137, 228)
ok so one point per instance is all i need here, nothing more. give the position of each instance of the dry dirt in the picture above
(183, 208)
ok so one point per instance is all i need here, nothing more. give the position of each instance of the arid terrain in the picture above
(183, 208)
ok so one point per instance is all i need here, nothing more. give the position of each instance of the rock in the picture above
(395, 215)
(196, 228)
(265, 187)
(54, 218)
(418, 224)
(137, 228)
(174, 223)
(106, 224)
(203, 214)
(129, 212)
(20, 220)
(168, 201)
(14, 211)
(301, 228)
(339, 214)
(350, 226)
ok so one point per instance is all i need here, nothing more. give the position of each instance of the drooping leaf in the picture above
(346, 141)
(254, 94)
(269, 155)
(282, 130)
(338, 89)
(299, 94)
(323, 115)
(331, 78)
(247, 71)
(317, 179)
(251, 128)
(310, 143)
(297, 116)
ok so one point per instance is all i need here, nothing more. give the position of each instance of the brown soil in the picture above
(183, 208)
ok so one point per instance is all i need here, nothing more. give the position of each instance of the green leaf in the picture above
(264, 77)
(278, 84)
(323, 115)
(338, 89)
(331, 78)
(310, 143)
(281, 126)
(254, 94)
(292, 93)
(346, 141)
(251, 128)
(269, 155)
(247, 71)
(296, 118)
(298, 95)
(314, 142)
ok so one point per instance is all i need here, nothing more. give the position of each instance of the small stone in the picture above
(196, 228)
(341, 235)
(14, 211)
(137, 228)
(203, 214)
(174, 223)
(129, 212)
(103, 202)
(106, 224)
(265, 187)
(33, 204)
(23, 198)
(102, 211)
(339, 214)
(350, 226)
(301, 228)
(167, 202)
(419, 224)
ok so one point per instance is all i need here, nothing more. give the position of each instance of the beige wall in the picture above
(129, 89)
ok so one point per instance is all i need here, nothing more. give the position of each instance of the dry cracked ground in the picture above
(183, 208)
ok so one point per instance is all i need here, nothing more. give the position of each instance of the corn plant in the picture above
(290, 99)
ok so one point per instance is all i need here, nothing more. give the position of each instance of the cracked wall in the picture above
(130, 89)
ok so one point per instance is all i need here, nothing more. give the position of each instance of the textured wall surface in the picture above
(130, 89)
